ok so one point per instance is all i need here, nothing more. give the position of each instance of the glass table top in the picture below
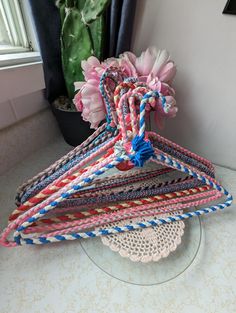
(150, 273)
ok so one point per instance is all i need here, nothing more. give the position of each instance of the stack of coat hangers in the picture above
(80, 193)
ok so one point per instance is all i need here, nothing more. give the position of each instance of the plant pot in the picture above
(72, 126)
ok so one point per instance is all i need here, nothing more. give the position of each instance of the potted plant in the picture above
(82, 35)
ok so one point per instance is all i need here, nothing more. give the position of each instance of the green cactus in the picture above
(92, 9)
(97, 30)
(76, 46)
(82, 35)
(80, 4)
(61, 5)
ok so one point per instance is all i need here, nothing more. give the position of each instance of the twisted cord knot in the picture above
(119, 149)
(131, 79)
(143, 151)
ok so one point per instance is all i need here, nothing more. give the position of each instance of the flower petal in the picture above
(128, 56)
(78, 85)
(145, 62)
(78, 102)
(91, 62)
(168, 72)
(160, 61)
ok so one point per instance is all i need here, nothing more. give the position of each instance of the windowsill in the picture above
(12, 59)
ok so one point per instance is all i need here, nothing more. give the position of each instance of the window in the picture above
(18, 42)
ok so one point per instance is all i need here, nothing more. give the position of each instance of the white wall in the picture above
(23, 138)
(202, 42)
(26, 123)
(21, 91)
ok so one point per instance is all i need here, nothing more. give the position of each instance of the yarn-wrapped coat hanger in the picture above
(141, 150)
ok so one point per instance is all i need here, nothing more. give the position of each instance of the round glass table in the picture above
(151, 273)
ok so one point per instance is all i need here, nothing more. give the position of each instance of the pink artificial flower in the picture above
(89, 68)
(157, 71)
(163, 88)
(155, 64)
(127, 62)
(89, 101)
(152, 67)
(78, 101)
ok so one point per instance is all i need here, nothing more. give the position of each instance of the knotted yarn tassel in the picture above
(143, 151)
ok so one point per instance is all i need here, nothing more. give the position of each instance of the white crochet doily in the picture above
(148, 244)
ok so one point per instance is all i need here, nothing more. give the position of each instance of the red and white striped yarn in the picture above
(159, 200)
(132, 212)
